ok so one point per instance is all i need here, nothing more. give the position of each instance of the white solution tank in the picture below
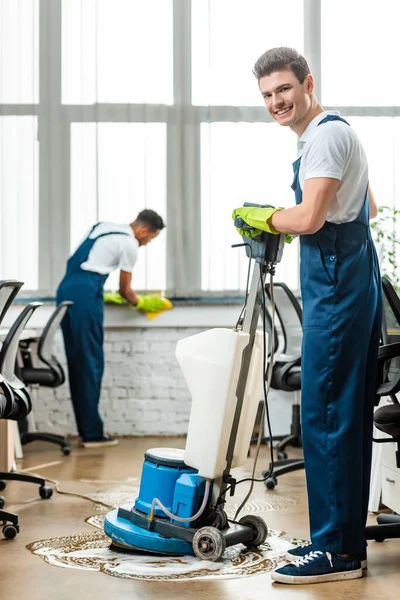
(211, 363)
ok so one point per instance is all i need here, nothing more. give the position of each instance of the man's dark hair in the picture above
(279, 59)
(150, 219)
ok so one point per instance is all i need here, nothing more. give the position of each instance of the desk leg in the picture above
(7, 440)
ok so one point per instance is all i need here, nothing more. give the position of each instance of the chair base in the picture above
(281, 467)
(33, 436)
(388, 527)
(9, 531)
(45, 491)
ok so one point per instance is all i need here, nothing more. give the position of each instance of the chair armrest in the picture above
(387, 388)
(389, 351)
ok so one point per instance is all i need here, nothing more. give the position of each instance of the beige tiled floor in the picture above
(24, 575)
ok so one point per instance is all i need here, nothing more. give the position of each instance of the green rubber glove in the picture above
(152, 303)
(113, 298)
(257, 218)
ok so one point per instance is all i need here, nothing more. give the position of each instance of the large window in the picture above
(118, 169)
(19, 200)
(110, 106)
(360, 47)
(240, 162)
(227, 38)
(117, 51)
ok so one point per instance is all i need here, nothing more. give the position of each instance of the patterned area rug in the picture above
(92, 551)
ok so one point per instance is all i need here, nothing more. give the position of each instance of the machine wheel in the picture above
(2, 485)
(220, 520)
(45, 492)
(282, 455)
(270, 483)
(66, 451)
(208, 543)
(10, 531)
(259, 526)
(2, 501)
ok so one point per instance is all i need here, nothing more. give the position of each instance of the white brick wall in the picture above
(143, 389)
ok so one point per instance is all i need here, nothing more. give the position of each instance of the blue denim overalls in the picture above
(342, 318)
(82, 329)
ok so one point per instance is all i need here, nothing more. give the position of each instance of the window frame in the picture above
(183, 122)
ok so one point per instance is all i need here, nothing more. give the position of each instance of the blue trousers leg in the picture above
(83, 337)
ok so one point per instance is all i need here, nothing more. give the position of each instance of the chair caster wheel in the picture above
(10, 531)
(2, 501)
(45, 492)
(66, 451)
(270, 483)
(2, 485)
(282, 455)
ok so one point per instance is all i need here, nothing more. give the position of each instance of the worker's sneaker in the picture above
(318, 567)
(302, 549)
(100, 442)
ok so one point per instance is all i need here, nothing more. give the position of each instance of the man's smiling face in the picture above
(287, 100)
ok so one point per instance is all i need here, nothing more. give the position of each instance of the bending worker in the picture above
(107, 247)
(342, 316)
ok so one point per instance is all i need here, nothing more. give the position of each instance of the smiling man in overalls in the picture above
(342, 315)
(107, 246)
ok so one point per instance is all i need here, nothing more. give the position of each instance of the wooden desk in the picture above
(7, 428)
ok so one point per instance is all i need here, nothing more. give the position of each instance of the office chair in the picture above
(9, 288)
(16, 393)
(286, 374)
(387, 418)
(48, 373)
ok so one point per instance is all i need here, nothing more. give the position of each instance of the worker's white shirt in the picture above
(334, 150)
(112, 252)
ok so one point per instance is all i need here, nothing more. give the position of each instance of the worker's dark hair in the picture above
(279, 59)
(150, 219)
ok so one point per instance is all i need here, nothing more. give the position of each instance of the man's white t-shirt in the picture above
(334, 150)
(111, 252)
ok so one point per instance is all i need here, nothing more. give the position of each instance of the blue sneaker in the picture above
(303, 549)
(319, 567)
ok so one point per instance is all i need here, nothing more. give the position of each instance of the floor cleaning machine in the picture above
(180, 506)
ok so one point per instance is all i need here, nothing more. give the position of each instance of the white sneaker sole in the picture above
(303, 579)
(293, 558)
(99, 444)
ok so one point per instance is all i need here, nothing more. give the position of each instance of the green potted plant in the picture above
(384, 231)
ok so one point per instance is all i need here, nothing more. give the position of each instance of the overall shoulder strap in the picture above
(333, 118)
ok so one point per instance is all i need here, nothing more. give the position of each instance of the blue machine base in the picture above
(128, 535)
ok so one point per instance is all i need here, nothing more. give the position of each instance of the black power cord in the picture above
(267, 377)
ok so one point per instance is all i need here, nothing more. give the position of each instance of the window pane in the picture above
(19, 153)
(362, 68)
(380, 137)
(117, 51)
(242, 162)
(19, 28)
(130, 175)
(227, 38)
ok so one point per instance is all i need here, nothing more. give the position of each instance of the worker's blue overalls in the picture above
(82, 328)
(342, 317)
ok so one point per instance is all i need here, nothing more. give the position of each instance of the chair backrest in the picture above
(9, 349)
(9, 288)
(289, 314)
(391, 309)
(46, 341)
(390, 329)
